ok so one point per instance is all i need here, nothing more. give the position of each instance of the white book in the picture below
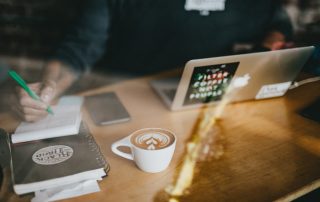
(65, 121)
(66, 191)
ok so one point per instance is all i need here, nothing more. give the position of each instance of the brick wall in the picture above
(33, 27)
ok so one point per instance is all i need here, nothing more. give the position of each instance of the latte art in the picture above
(152, 141)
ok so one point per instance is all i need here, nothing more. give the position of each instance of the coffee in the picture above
(150, 148)
(152, 139)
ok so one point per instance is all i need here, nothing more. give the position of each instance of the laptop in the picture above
(205, 81)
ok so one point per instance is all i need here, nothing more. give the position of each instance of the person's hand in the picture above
(275, 41)
(32, 110)
(58, 78)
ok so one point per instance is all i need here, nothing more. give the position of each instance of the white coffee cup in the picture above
(151, 148)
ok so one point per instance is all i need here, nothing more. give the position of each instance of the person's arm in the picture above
(82, 47)
(59, 76)
(85, 41)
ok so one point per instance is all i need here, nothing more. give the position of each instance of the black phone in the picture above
(106, 109)
(312, 111)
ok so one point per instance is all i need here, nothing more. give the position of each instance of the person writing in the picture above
(148, 36)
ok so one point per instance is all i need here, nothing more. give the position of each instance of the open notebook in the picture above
(65, 121)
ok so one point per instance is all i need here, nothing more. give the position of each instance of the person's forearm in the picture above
(272, 38)
(62, 77)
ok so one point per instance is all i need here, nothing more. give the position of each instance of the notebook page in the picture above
(63, 116)
(65, 120)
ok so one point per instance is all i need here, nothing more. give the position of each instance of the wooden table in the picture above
(270, 152)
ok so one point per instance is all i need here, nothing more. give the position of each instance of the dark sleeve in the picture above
(281, 22)
(85, 42)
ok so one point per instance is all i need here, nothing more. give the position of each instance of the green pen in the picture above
(23, 84)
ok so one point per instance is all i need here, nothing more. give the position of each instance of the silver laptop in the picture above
(204, 81)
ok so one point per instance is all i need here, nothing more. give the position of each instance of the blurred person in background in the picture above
(144, 37)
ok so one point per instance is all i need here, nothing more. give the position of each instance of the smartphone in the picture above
(312, 111)
(106, 109)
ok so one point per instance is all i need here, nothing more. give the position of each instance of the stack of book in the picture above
(56, 154)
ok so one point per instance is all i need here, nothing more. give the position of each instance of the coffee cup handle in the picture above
(123, 142)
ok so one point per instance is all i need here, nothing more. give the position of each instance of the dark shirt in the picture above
(152, 35)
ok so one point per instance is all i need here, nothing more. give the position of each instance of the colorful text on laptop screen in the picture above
(209, 83)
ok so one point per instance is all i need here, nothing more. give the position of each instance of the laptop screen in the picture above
(209, 83)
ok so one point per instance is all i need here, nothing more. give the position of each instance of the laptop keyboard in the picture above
(170, 93)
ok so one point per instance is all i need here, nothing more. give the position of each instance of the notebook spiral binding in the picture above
(95, 148)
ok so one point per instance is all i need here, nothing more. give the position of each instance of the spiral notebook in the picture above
(54, 162)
